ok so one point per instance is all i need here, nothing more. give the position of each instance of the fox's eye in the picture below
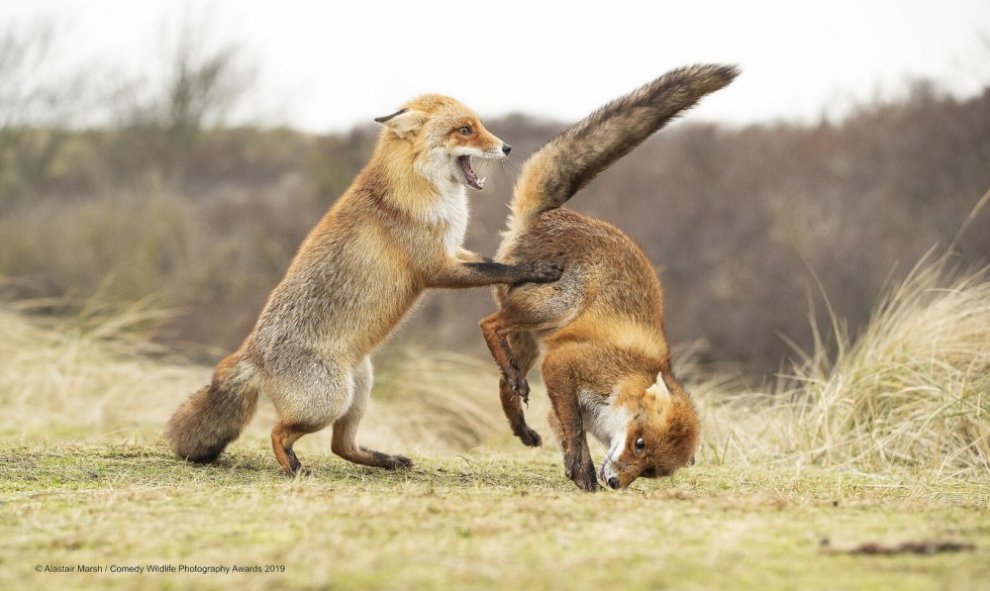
(640, 444)
(466, 130)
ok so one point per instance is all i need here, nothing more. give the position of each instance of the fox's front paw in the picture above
(584, 477)
(542, 272)
(587, 482)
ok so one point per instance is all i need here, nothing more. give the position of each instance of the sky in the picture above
(325, 66)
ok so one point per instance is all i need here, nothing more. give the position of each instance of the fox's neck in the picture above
(604, 417)
(397, 172)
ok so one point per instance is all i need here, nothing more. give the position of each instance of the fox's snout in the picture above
(496, 150)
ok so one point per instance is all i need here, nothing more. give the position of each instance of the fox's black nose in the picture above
(506, 148)
(613, 482)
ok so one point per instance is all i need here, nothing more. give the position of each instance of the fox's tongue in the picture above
(469, 176)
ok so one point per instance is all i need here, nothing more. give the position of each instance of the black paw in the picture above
(298, 470)
(587, 483)
(543, 272)
(529, 437)
(584, 477)
(397, 463)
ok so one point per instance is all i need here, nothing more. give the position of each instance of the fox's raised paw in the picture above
(543, 272)
(529, 437)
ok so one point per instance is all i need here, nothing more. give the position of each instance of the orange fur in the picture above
(606, 359)
(395, 232)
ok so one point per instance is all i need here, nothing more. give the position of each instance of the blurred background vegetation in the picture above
(120, 190)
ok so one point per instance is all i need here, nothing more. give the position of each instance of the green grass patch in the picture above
(487, 519)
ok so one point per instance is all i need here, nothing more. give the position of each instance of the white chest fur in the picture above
(603, 419)
(450, 212)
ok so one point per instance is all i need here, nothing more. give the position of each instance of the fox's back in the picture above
(345, 290)
(605, 272)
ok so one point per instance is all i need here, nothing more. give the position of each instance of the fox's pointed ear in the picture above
(385, 118)
(403, 122)
(659, 388)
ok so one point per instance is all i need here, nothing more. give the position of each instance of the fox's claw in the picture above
(520, 386)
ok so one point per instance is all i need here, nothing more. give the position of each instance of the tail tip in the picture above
(195, 453)
(190, 444)
(730, 71)
(720, 74)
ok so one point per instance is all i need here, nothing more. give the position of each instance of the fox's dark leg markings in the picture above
(512, 385)
(479, 274)
(343, 442)
(526, 349)
(495, 329)
(284, 437)
(577, 456)
(538, 272)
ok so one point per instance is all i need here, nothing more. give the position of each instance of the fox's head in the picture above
(660, 435)
(444, 135)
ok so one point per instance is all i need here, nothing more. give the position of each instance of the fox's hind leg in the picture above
(344, 442)
(524, 351)
(515, 352)
(497, 330)
(284, 436)
(309, 393)
(527, 351)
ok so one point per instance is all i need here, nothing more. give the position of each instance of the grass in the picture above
(481, 520)
(884, 443)
(914, 389)
(911, 391)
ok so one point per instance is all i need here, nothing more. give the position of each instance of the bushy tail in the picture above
(214, 416)
(572, 159)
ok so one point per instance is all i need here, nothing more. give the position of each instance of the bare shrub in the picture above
(160, 122)
(35, 110)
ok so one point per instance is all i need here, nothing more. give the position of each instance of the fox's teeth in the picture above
(481, 181)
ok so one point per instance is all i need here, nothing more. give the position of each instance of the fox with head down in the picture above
(600, 328)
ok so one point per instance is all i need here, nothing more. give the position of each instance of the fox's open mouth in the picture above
(469, 177)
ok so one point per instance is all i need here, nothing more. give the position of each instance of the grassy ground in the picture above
(480, 520)
(886, 444)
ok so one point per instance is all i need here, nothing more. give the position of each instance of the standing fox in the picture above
(396, 231)
(606, 361)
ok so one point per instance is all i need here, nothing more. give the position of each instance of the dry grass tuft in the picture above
(92, 374)
(96, 376)
(442, 401)
(912, 391)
